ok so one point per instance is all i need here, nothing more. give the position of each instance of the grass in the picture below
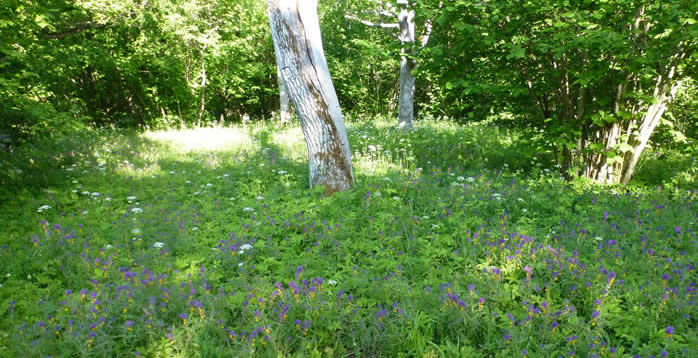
(456, 241)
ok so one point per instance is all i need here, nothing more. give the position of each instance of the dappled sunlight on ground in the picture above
(204, 139)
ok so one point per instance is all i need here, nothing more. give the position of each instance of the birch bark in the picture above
(295, 29)
(284, 108)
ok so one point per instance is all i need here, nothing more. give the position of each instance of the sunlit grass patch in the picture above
(204, 139)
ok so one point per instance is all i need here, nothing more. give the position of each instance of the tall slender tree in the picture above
(404, 15)
(295, 29)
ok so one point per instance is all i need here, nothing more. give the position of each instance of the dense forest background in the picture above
(587, 73)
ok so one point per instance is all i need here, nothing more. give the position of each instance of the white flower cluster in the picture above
(43, 208)
(244, 247)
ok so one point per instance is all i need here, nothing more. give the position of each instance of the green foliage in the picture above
(457, 241)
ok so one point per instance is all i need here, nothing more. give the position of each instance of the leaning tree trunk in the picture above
(407, 64)
(284, 113)
(295, 29)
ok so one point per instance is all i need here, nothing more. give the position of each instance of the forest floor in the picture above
(456, 241)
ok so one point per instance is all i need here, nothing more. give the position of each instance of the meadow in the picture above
(458, 240)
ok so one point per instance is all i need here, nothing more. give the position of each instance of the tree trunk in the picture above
(284, 113)
(295, 30)
(202, 105)
(407, 64)
(649, 123)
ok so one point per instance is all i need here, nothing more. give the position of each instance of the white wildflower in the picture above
(158, 245)
(470, 179)
(331, 282)
(209, 185)
(136, 210)
(598, 238)
(96, 194)
(108, 246)
(282, 172)
(247, 209)
(372, 148)
(245, 247)
(240, 264)
(85, 193)
(460, 178)
(136, 231)
(42, 208)
(260, 198)
(130, 198)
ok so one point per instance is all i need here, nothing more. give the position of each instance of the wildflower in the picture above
(380, 315)
(43, 208)
(158, 245)
(470, 179)
(529, 272)
(332, 282)
(245, 247)
(247, 209)
(136, 210)
(669, 331)
(299, 270)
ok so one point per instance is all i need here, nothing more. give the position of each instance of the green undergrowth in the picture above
(456, 241)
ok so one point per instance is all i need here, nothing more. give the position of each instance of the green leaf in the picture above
(516, 52)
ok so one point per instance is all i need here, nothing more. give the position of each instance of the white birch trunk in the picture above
(284, 113)
(407, 64)
(649, 124)
(295, 30)
(202, 105)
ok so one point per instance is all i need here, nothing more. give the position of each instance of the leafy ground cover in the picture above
(457, 241)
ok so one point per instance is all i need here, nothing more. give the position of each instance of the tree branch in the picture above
(373, 24)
